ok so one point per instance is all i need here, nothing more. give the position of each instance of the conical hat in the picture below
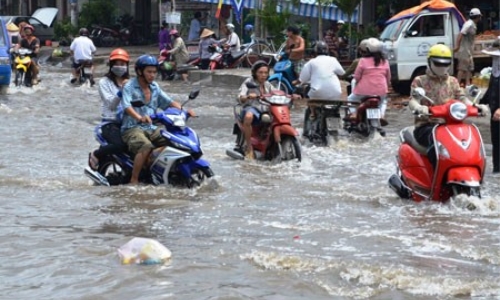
(12, 27)
(206, 32)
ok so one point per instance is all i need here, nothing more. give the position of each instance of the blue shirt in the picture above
(132, 92)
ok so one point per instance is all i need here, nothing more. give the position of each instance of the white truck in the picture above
(409, 35)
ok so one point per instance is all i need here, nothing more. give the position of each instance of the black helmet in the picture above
(321, 48)
(257, 65)
(83, 31)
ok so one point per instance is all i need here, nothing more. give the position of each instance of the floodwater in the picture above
(326, 228)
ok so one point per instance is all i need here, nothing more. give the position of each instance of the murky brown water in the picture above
(327, 228)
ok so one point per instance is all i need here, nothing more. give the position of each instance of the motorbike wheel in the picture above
(114, 172)
(466, 190)
(289, 148)
(198, 176)
(19, 78)
(280, 86)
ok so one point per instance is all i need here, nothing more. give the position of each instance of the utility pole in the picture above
(74, 13)
(258, 8)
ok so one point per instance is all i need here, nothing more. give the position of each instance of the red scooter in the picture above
(224, 58)
(167, 70)
(274, 138)
(460, 156)
(368, 118)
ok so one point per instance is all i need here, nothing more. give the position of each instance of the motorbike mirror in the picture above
(418, 93)
(251, 85)
(137, 103)
(14, 40)
(194, 93)
(472, 90)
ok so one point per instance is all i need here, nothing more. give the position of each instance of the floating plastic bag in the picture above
(144, 251)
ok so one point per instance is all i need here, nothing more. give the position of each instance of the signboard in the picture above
(173, 17)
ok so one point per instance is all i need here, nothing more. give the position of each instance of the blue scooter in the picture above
(283, 75)
(178, 164)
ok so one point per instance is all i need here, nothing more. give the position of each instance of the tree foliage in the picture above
(273, 22)
(98, 12)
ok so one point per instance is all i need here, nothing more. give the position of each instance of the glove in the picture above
(422, 110)
(483, 108)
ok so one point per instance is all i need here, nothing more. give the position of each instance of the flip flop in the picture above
(93, 162)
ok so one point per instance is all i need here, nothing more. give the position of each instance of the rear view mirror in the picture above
(418, 93)
(472, 90)
(194, 93)
(14, 40)
(251, 85)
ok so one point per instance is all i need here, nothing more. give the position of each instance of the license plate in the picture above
(333, 123)
(373, 113)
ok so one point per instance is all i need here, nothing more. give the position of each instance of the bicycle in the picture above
(263, 49)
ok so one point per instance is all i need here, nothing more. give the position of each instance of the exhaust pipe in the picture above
(96, 177)
(398, 186)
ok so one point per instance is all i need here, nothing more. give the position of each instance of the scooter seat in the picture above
(408, 137)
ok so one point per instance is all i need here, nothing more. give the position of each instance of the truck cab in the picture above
(407, 40)
(5, 62)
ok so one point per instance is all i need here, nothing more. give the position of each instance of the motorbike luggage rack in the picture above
(321, 102)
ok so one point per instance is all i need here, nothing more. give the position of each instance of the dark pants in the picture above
(495, 141)
(423, 135)
(204, 63)
(111, 132)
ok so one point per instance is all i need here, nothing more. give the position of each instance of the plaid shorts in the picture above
(298, 65)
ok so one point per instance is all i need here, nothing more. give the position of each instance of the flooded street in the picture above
(326, 228)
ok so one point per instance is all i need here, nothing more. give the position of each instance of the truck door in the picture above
(425, 31)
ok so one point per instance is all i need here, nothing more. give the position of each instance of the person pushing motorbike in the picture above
(30, 41)
(439, 86)
(82, 49)
(142, 97)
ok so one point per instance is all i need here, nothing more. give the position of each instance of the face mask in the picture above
(440, 71)
(119, 70)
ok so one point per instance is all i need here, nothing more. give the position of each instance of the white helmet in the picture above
(373, 45)
(230, 26)
(475, 12)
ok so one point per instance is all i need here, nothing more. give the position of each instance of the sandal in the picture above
(383, 122)
(93, 161)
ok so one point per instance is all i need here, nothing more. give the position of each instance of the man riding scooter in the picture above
(31, 42)
(82, 49)
(440, 87)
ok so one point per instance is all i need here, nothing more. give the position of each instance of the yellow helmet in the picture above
(440, 54)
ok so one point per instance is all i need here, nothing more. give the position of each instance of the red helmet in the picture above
(28, 26)
(119, 54)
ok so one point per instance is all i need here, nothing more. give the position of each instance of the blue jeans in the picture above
(255, 112)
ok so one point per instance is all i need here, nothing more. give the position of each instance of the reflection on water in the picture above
(328, 227)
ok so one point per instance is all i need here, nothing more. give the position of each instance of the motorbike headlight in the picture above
(458, 111)
(177, 120)
(4, 61)
(442, 151)
(277, 99)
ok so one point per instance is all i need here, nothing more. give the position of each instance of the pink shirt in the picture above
(372, 80)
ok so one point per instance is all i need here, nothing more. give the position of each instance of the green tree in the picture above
(348, 7)
(98, 12)
(273, 22)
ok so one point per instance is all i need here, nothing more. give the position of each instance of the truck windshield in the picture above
(392, 31)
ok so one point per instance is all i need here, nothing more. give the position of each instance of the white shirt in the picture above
(321, 72)
(233, 40)
(82, 47)
(109, 99)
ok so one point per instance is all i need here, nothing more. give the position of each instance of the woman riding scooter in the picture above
(440, 87)
(30, 41)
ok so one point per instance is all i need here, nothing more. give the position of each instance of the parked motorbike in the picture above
(121, 34)
(368, 117)
(178, 164)
(167, 69)
(274, 138)
(22, 63)
(224, 58)
(460, 156)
